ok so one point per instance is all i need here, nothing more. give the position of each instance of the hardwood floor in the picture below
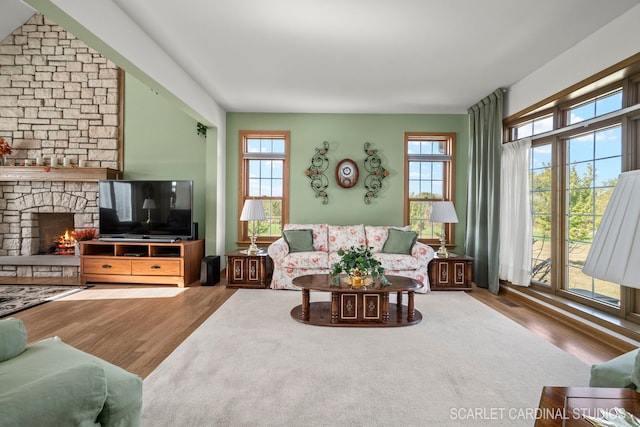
(568, 335)
(137, 327)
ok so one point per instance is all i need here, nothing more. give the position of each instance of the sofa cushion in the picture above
(616, 373)
(377, 235)
(397, 261)
(320, 242)
(299, 240)
(124, 389)
(400, 242)
(13, 338)
(635, 373)
(73, 396)
(345, 236)
(311, 260)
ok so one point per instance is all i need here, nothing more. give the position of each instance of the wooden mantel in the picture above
(43, 173)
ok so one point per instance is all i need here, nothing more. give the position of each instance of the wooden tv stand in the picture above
(139, 262)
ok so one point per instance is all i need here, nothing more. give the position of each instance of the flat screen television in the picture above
(145, 209)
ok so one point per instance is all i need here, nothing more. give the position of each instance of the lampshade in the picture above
(443, 212)
(615, 253)
(252, 211)
(148, 204)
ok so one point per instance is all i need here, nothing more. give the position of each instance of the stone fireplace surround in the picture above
(73, 191)
(58, 97)
(19, 231)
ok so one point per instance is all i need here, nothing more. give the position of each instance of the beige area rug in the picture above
(250, 364)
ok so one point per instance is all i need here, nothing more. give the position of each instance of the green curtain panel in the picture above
(483, 204)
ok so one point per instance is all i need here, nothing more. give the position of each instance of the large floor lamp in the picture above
(253, 211)
(615, 253)
(445, 213)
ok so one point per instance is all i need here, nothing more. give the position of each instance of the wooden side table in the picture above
(249, 271)
(565, 406)
(451, 274)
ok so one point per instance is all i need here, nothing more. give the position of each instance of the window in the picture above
(581, 142)
(428, 178)
(264, 175)
(592, 165)
(541, 196)
(533, 127)
(595, 107)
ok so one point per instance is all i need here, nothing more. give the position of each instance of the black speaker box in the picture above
(194, 231)
(210, 270)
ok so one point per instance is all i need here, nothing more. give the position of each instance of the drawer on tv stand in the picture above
(156, 267)
(108, 265)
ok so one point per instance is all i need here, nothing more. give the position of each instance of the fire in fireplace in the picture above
(51, 229)
(65, 244)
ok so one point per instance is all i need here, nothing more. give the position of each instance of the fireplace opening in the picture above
(55, 233)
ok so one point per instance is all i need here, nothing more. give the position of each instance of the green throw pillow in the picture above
(400, 242)
(299, 240)
(13, 338)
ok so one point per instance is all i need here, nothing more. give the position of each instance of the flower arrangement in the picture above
(85, 234)
(357, 263)
(5, 148)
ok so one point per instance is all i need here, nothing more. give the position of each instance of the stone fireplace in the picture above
(32, 214)
(58, 99)
(23, 213)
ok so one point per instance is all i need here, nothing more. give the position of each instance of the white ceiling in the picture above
(13, 13)
(362, 56)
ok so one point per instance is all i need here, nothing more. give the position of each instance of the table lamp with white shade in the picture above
(615, 252)
(148, 204)
(445, 213)
(253, 211)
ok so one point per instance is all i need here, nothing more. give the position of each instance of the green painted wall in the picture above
(346, 134)
(160, 142)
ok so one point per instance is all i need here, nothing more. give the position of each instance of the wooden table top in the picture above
(564, 406)
(324, 282)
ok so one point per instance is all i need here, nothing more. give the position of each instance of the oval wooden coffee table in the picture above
(366, 306)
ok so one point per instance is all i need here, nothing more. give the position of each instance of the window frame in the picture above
(448, 180)
(243, 184)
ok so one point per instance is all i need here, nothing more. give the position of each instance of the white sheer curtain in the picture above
(515, 213)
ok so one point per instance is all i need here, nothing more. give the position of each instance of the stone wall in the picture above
(58, 97)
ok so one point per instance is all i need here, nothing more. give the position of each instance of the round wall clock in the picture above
(347, 173)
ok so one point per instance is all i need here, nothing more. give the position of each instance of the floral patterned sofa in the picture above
(328, 239)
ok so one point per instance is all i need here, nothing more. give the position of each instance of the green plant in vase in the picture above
(358, 263)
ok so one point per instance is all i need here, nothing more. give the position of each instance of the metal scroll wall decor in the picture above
(373, 181)
(315, 172)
